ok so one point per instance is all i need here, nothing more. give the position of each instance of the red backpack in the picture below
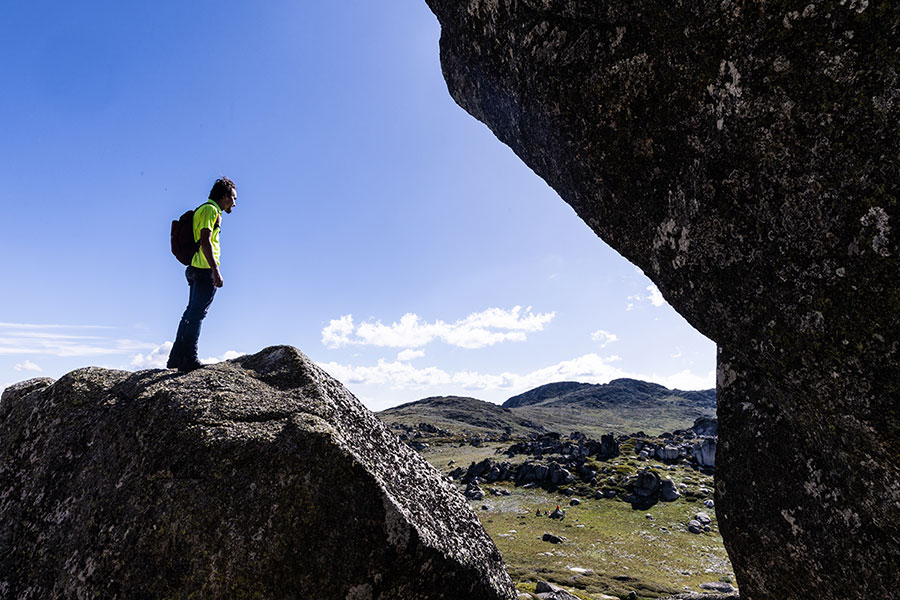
(183, 245)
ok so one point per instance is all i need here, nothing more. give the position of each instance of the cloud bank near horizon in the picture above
(588, 368)
(478, 330)
(58, 340)
(157, 358)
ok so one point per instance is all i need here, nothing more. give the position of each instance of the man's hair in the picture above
(221, 189)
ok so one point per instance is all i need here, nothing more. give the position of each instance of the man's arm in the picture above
(206, 248)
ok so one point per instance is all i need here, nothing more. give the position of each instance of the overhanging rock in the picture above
(746, 156)
(261, 477)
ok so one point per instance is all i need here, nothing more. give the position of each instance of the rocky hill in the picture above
(260, 477)
(621, 406)
(455, 414)
(541, 393)
(622, 392)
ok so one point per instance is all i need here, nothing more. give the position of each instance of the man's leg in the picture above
(184, 351)
(176, 354)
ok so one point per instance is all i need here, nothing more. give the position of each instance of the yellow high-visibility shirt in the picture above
(207, 216)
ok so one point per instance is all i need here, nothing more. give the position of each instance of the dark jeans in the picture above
(202, 290)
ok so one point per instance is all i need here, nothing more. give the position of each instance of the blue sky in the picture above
(379, 228)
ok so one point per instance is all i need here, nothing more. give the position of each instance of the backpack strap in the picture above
(218, 218)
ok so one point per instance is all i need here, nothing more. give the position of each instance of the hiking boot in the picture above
(190, 366)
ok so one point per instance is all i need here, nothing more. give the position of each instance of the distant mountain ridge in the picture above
(622, 405)
(457, 413)
(618, 391)
(544, 392)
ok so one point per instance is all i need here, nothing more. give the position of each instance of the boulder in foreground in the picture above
(260, 477)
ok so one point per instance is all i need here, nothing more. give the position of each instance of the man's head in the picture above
(224, 193)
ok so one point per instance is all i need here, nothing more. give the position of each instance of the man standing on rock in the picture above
(202, 274)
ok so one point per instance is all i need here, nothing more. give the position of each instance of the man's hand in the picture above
(206, 248)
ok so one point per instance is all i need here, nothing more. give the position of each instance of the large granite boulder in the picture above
(704, 452)
(705, 426)
(609, 447)
(261, 477)
(745, 155)
(647, 484)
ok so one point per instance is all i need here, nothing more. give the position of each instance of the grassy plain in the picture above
(608, 548)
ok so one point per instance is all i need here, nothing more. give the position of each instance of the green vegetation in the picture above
(609, 548)
(596, 421)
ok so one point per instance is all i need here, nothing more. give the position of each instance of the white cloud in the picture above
(478, 330)
(408, 332)
(604, 337)
(409, 354)
(656, 297)
(338, 331)
(18, 326)
(62, 340)
(589, 368)
(632, 300)
(27, 366)
(229, 355)
(155, 359)
(686, 380)
(401, 375)
(396, 374)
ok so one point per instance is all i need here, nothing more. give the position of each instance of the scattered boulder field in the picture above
(606, 468)
(576, 481)
(548, 498)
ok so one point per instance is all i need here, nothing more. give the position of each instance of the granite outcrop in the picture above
(260, 477)
(744, 155)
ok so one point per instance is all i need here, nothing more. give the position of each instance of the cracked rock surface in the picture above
(745, 155)
(261, 477)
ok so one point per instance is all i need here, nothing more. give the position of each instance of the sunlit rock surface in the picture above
(745, 155)
(261, 477)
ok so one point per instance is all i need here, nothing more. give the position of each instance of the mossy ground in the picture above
(609, 547)
(440, 454)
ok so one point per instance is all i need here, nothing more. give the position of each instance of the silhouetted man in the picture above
(203, 275)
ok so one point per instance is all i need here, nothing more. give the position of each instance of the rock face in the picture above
(667, 453)
(745, 155)
(706, 426)
(704, 452)
(647, 484)
(260, 477)
(668, 492)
